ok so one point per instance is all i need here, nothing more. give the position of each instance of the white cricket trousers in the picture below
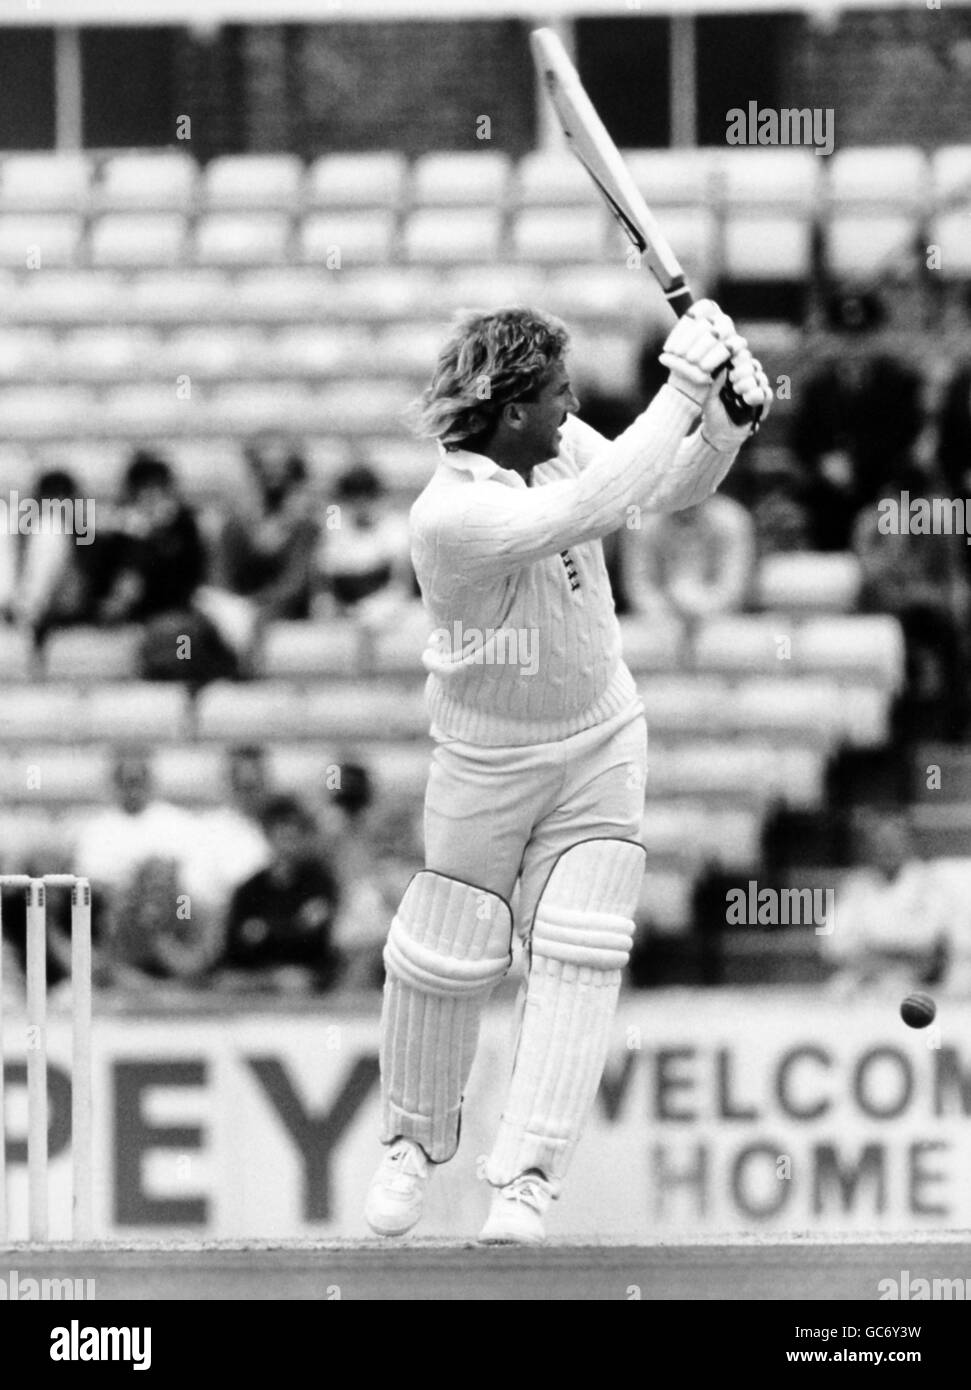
(495, 815)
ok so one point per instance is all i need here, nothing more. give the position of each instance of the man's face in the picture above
(546, 414)
(133, 782)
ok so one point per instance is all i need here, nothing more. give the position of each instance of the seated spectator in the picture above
(892, 925)
(269, 557)
(280, 929)
(229, 844)
(922, 581)
(954, 433)
(363, 920)
(855, 420)
(691, 564)
(364, 561)
(134, 855)
(163, 561)
(44, 571)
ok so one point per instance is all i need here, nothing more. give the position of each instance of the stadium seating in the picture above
(371, 180)
(460, 180)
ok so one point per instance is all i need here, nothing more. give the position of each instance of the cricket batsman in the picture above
(537, 777)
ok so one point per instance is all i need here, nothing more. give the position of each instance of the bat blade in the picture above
(589, 141)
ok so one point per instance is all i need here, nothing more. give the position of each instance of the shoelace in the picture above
(529, 1192)
(405, 1176)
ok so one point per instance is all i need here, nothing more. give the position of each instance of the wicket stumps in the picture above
(36, 1047)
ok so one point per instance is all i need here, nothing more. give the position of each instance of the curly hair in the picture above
(490, 360)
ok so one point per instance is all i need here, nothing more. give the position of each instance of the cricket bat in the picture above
(588, 139)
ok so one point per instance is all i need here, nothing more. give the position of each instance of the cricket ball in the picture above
(918, 1010)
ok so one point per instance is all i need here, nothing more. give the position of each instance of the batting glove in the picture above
(751, 385)
(697, 348)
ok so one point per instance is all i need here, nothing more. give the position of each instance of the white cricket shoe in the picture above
(397, 1192)
(517, 1211)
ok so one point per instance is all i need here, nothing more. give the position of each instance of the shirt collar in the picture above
(479, 468)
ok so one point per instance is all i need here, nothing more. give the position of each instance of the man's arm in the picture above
(651, 465)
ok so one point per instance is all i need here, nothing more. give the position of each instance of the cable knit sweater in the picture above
(526, 647)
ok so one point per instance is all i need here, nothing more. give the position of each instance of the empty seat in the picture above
(810, 711)
(678, 706)
(951, 176)
(339, 239)
(363, 407)
(251, 181)
(384, 294)
(242, 239)
(893, 176)
(131, 239)
(768, 179)
(210, 353)
(49, 182)
(599, 291)
(282, 294)
(466, 288)
(46, 412)
(809, 582)
(310, 649)
(92, 654)
(104, 354)
(443, 180)
(677, 177)
(313, 350)
(139, 710)
(452, 236)
(949, 232)
(39, 712)
(61, 297)
(691, 231)
(15, 656)
(711, 768)
(144, 410)
(79, 774)
(371, 180)
(366, 711)
(738, 644)
(40, 240)
(650, 646)
(665, 901)
(190, 773)
(148, 182)
(253, 406)
(408, 348)
(856, 243)
(547, 179)
(405, 465)
(191, 295)
(542, 235)
(398, 651)
(25, 354)
(854, 648)
(766, 247)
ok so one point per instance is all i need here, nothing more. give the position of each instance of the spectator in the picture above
(364, 561)
(892, 927)
(362, 923)
(269, 558)
(163, 561)
(954, 433)
(134, 854)
(922, 581)
(280, 928)
(855, 421)
(692, 564)
(229, 845)
(42, 581)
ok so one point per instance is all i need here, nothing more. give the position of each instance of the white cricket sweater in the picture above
(526, 645)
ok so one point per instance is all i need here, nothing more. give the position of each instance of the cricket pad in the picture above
(449, 945)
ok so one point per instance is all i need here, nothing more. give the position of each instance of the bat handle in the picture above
(681, 299)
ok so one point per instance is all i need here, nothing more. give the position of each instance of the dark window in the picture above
(624, 65)
(26, 89)
(129, 86)
(741, 58)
